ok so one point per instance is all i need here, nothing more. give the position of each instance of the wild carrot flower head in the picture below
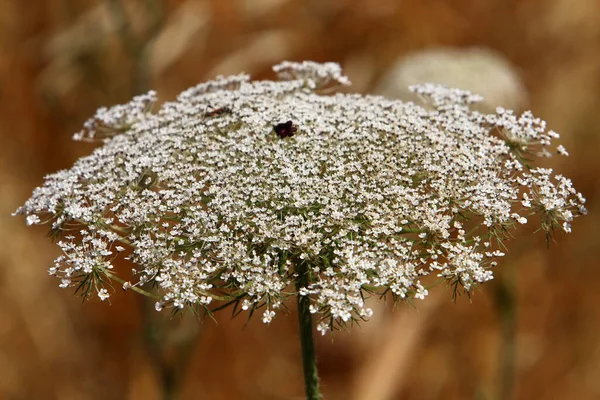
(223, 193)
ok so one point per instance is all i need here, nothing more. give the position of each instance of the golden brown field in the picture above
(62, 59)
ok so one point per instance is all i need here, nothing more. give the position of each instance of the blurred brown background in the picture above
(533, 333)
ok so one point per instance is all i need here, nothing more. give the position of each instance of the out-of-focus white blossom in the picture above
(478, 69)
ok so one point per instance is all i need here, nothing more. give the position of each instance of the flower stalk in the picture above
(309, 359)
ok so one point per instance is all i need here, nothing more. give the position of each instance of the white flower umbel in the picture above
(236, 188)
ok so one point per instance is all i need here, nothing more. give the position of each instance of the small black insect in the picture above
(285, 129)
(218, 111)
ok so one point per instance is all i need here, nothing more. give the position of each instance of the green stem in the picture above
(309, 359)
(136, 289)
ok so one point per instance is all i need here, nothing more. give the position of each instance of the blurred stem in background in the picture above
(168, 348)
(139, 47)
(154, 331)
(506, 304)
